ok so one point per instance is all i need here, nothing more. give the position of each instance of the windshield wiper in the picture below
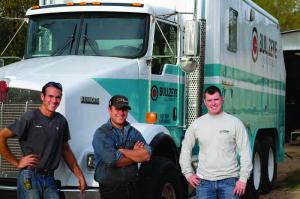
(70, 41)
(91, 43)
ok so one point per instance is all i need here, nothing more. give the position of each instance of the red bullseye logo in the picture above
(254, 45)
(3, 90)
(154, 93)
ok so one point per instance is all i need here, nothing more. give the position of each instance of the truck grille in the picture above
(17, 102)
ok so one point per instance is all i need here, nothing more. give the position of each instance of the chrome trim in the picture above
(13, 188)
(8, 188)
(77, 190)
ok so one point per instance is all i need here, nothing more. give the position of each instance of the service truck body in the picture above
(98, 50)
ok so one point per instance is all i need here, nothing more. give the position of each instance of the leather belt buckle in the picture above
(40, 171)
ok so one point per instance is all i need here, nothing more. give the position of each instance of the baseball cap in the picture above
(119, 101)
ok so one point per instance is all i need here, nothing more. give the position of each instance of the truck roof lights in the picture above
(137, 4)
(70, 4)
(96, 3)
(35, 7)
(83, 3)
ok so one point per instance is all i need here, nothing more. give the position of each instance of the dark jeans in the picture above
(119, 191)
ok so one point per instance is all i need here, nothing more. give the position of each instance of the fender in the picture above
(160, 140)
(276, 133)
(149, 131)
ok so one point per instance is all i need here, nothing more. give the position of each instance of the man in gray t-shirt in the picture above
(43, 135)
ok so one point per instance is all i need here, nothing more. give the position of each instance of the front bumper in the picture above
(67, 193)
(91, 193)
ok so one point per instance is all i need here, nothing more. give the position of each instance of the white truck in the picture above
(161, 56)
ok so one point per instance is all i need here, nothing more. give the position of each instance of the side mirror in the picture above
(1, 63)
(188, 62)
(191, 38)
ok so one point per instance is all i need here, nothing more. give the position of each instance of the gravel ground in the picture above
(288, 176)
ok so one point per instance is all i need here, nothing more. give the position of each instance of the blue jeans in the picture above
(219, 189)
(32, 185)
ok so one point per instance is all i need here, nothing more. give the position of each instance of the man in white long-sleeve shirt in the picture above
(221, 138)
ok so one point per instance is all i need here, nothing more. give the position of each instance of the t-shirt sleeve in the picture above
(67, 135)
(187, 145)
(19, 126)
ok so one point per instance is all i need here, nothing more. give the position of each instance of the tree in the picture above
(286, 11)
(8, 27)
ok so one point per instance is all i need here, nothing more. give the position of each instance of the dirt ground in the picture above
(288, 175)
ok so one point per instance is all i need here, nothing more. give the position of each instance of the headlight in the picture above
(90, 161)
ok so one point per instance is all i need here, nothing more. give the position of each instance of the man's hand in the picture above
(74, 167)
(194, 180)
(138, 145)
(136, 155)
(28, 160)
(82, 185)
(240, 188)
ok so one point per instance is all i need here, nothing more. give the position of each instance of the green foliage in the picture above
(15, 8)
(286, 11)
(8, 27)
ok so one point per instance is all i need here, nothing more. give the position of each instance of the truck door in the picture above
(167, 78)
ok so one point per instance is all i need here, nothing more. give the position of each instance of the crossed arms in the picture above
(135, 155)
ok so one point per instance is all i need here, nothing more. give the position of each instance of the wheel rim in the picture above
(256, 171)
(168, 192)
(271, 166)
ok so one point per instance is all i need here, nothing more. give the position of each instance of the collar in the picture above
(216, 116)
(110, 126)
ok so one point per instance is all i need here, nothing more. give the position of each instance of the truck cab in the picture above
(97, 50)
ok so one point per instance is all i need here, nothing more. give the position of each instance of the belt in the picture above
(40, 171)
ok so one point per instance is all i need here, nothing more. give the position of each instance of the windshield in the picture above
(94, 34)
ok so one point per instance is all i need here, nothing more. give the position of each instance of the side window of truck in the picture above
(164, 46)
(233, 19)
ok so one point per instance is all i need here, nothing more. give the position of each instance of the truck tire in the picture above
(8, 194)
(269, 165)
(254, 183)
(160, 178)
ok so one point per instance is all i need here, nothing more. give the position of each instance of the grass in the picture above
(292, 181)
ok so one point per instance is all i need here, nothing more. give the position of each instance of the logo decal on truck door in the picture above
(154, 93)
(254, 44)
